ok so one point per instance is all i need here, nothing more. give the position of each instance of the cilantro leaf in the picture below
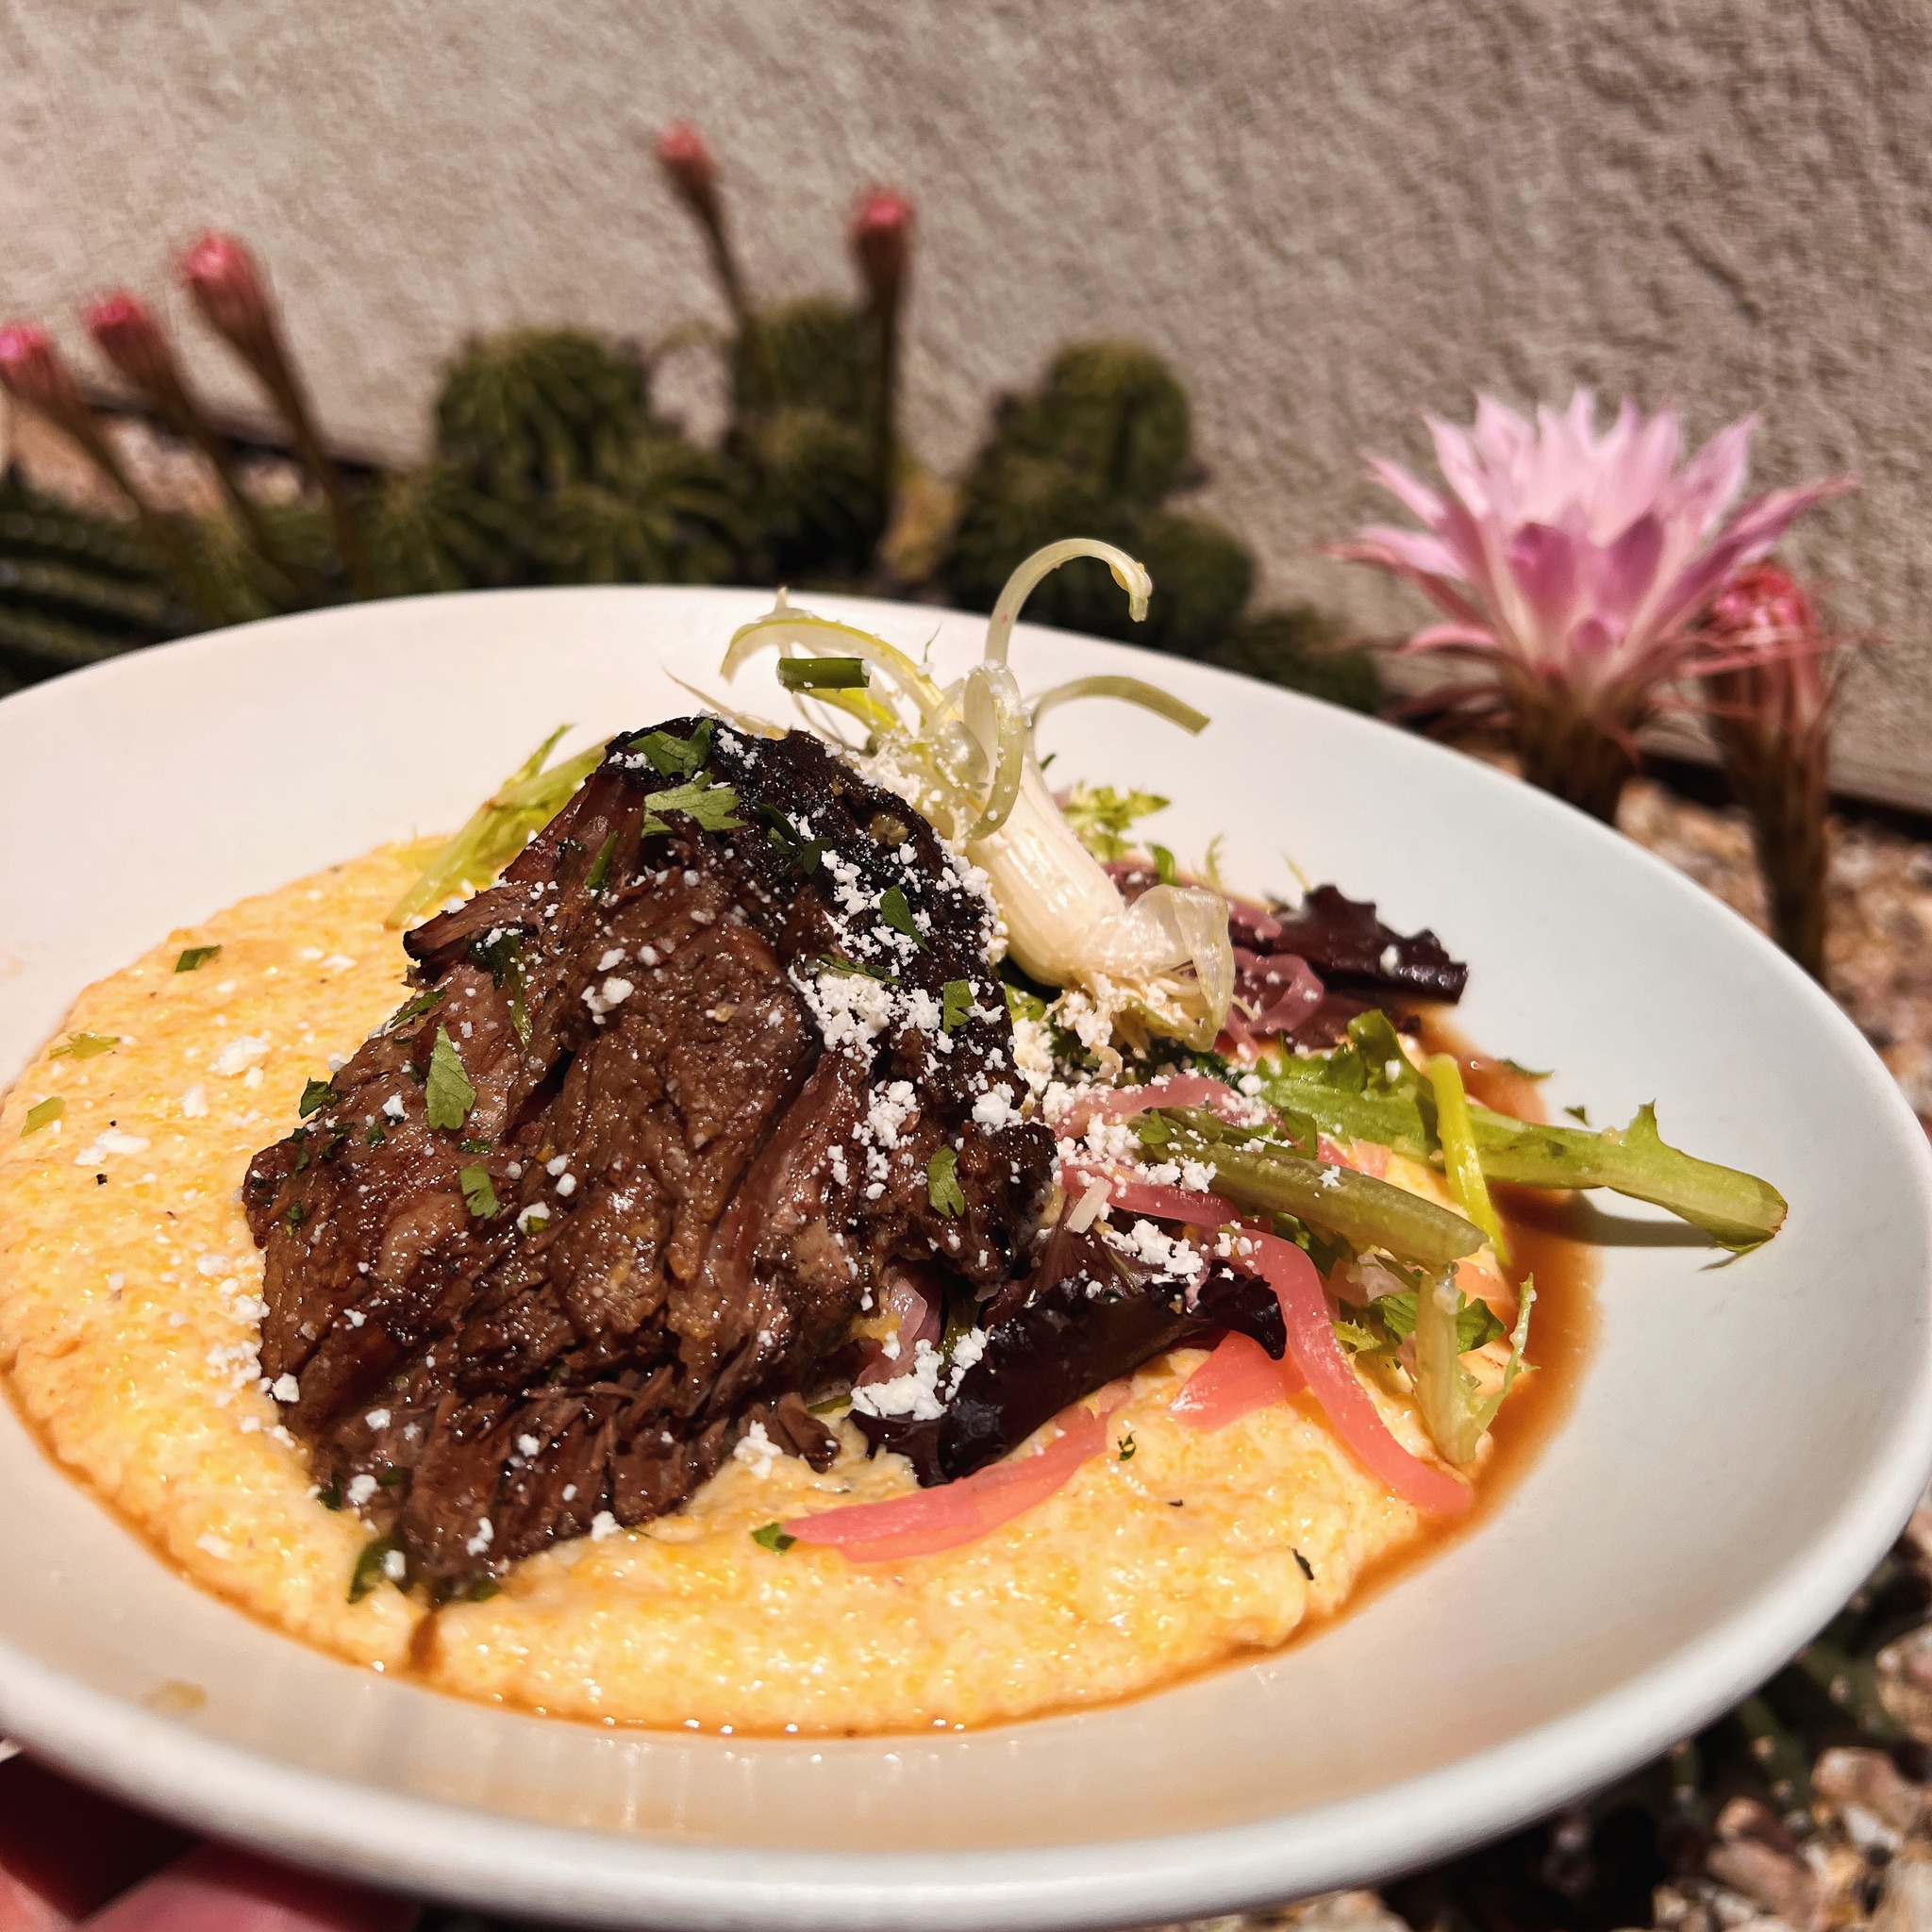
(770, 1536)
(43, 1113)
(85, 1046)
(1164, 867)
(712, 807)
(377, 1133)
(316, 1095)
(413, 1008)
(824, 674)
(600, 866)
(448, 1095)
(801, 855)
(956, 1004)
(477, 1192)
(898, 915)
(193, 958)
(836, 962)
(943, 1186)
(501, 949)
(676, 758)
(1021, 1005)
(371, 1566)
(1100, 816)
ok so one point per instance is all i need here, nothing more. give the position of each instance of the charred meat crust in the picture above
(695, 1138)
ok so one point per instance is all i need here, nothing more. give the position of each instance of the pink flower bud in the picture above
(882, 240)
(126, 330)
(685, 155)
(32, 372)
(220, 274)
(1764, 632)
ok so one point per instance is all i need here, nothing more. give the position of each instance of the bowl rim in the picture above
(475, 1857)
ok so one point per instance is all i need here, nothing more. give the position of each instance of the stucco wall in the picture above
(1332, 215)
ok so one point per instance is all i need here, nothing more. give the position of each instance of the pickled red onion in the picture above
(1312, 1344)
(1150, 1197)
(918, 1320)
(928, 1521)
(1239, 1377)
(1177, 1090)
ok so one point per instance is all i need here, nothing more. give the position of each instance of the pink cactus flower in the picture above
(1572, 567)
(882, 240)
(127, 333)
(685, 155)
(1778, 672)
(221, 276)
(32, 372)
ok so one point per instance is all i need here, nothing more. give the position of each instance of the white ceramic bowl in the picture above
(1746, 1440)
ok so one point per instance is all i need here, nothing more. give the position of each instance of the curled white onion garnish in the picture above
(967, 753)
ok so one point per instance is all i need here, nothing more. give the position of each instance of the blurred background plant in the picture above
(551, 464)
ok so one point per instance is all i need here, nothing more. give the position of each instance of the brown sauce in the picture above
(1546, 1239)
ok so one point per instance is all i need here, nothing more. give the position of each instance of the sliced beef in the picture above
(617, 1181)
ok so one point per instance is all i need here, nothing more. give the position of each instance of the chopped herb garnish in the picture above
(477, 1191)
(1164, 866)
(1307, 1568)
(1127, 1447)
(502, 950)
(676, 758)
(1579, 1113)
(371, 1566)
(833, 962)
(824, 674)
(376, 1135)
(801, 855)
(474, 1146)
(484, 1588)
(600, 866)
(898, 914)
(43, 1113)
(84, 1046)
(943, 1184)
(712, 807)
(770, 1536)
(193, 958)
(331, 1497)
(292, 1217)
(448, 1095)
(413, 1008)
(1021, 1005)
(1524, 1072)
(956, 1004)
(1100, 816)
(316, 1095)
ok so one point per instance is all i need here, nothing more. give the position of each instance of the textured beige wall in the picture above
(1331, 214)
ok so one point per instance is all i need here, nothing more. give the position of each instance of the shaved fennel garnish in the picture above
(499, 828)
(965, 754)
